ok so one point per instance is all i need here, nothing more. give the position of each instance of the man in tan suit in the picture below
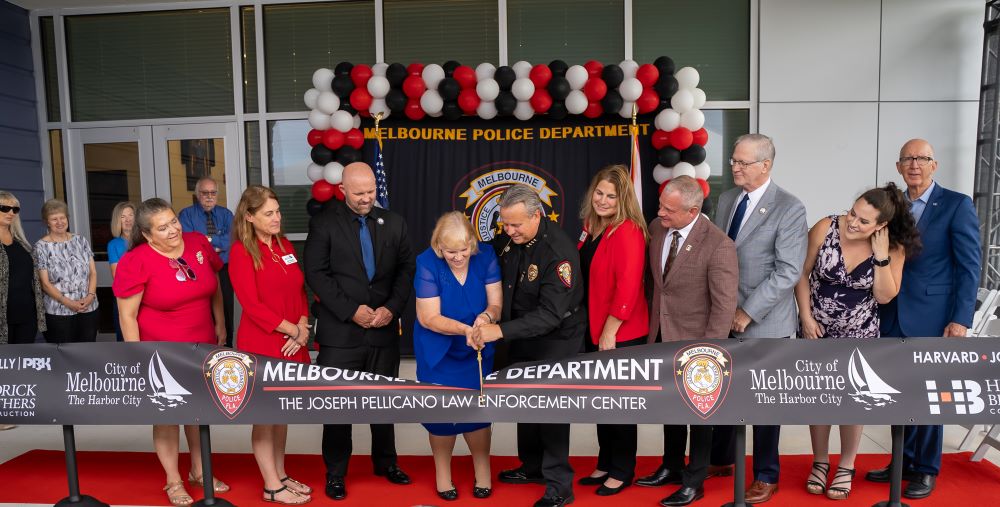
(695, 282)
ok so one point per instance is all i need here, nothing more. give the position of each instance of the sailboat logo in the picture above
(869, 389)
(167, 393)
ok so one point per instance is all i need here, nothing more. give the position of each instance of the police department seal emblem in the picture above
(703, 377)
(478, 194)
(229, 375)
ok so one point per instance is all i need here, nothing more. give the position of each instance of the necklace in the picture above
(277, 259)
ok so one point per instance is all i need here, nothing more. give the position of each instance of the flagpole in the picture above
(378, 133)
(633, 130)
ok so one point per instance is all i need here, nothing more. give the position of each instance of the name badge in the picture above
(289, 259)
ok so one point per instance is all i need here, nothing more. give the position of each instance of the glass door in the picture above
(184, 154)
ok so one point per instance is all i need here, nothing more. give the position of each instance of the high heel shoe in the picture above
(816, 484)
(843, 477)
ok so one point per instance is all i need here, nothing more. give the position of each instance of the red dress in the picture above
(172, 310)
(274, 293)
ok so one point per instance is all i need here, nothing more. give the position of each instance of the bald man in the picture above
(359, 263)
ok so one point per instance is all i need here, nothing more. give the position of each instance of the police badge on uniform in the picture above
(565, 273)
(532, 272)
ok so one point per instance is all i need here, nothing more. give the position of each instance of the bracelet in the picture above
(488, 316)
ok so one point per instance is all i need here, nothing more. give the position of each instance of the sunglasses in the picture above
(7, 209)
(184, 271)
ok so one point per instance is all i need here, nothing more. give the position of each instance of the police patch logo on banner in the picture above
(478, 193)
(703, 377)
(229, 375)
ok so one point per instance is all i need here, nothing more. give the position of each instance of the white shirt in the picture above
(670, 239)
(751, 204)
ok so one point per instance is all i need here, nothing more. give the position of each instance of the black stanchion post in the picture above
(74, 498)
(206, 470)
(896, 475)
(739, 471)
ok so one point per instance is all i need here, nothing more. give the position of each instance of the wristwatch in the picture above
(883, 263)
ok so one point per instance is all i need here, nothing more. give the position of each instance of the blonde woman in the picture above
(20, 290)
(122, 220)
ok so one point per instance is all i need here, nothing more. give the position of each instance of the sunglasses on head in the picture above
(184, 271)
(7, 209)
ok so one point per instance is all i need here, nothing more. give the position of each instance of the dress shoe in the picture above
(603, 490)
(720, 470)
(481, 492)
(883, 474)
(683, 496)
(520, 476)
(920, 486)
(662, 476)
(395, 475)
(554, 501)
(592, 481)
(760, 492)
(451, 494)
(336, 489)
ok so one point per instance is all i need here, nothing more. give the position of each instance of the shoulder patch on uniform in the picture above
(565, 271)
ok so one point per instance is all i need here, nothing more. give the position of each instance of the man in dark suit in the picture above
(359, 263)
(937, 295)
(695, 279)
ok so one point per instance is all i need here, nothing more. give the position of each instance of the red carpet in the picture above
(136, 478)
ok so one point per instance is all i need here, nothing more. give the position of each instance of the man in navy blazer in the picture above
(937, 296)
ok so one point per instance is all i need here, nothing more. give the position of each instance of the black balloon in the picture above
(343, 69)
(346, 106)
(664, 64)
(666, 86)
(559, 88)
(664, 104)
(314, 207)
(450, 110)
(449, 67)
(557, 110)
(321, 155)
(343, 86)
(347, 154)
(693, 155)
(612, 76)
(668, 156)
(612, 102)
(504, 77)
(449, 88)
(396, 101)
(505, 103)
(558, 68)
(396, 74)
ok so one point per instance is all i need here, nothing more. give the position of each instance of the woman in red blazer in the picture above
(613, 259)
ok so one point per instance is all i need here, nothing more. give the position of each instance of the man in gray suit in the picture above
(769, 227)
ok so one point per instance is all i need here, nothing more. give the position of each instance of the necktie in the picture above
(367, 252)
(672, 254)
(741, 209)
(210, 229)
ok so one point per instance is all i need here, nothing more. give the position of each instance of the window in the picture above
(252, 137)
(723, 127)
(572, 30)
(435, 31)
(48, 37)
(249, 55)
(58, 169)
(289, 157)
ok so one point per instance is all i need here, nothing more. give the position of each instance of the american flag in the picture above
(635, 165)
(381, 178)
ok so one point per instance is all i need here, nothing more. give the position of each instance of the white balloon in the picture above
(485, 70)
(333, 173)
(323, 80)
(577, 77)
(435, 115)
(314, 171)
(682, 101)
(687, 78)
(378, 87)
(310, 98)
(486, 110)
(702, 171)
(684, 169)
(379, 69)
(342, 121)
(379, 106)
(319, 120)
(328, 102)
(523, 111)
(431, 102)
(628, 68)
(626, 110)
(487, 89)
(699, 98)
(357, 121)
(432, 74)
(661, 174)
(576, 102)
(630, 89)
(521, 69)
(667, 120)
(693, 120)
(523, 88)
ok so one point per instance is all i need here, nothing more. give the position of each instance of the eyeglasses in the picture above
(184, 271)
(7, 209)
(741, 164)
(209, 193)
(921, 161)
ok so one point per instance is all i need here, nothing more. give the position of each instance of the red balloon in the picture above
(360, 74)
(314, 137)
(594, 109)
(333, 139)
(541, 101)
(662, 186)
(647, 74)
(704, 186)
(661, 138)
(414, 69)
(594, 68)
(595, 89)
(361, 99)
(413, 110)
(465, 76)
(468, 100)
(700, 137)
(681, 138)
(540, 74)
(648, 101)
(322, 190)
(355, 139)
(414, 86)
(338, 194)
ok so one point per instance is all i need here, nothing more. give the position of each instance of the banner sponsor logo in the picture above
(17, 400)
(869, 389)
(703, 377)
(26, 363)
(963, 397)
(230, 376)
(478, 193)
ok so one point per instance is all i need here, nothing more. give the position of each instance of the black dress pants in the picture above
(337, 441)
(227, 302)
(617, 443)
(76, 328)
(675, 440)
(22, 333)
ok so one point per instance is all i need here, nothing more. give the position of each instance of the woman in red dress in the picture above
(167, 290)
(275, 321)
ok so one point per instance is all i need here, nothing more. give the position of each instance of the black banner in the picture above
(764, 381)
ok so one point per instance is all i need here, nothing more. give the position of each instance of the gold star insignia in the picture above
(679, 372)
(554, 216)
(725, 373)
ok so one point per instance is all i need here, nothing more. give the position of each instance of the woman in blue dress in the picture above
(457, 288)
(122, 219)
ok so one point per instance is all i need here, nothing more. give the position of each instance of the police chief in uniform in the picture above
(542, 319)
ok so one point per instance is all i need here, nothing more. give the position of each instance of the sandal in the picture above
(177, 495)
(297, 486)
(219, 486)
(816, 484)
(297, 499)
(844, 477)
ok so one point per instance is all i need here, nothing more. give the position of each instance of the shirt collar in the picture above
(757, 193)
(925, 197)
(684, 230)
